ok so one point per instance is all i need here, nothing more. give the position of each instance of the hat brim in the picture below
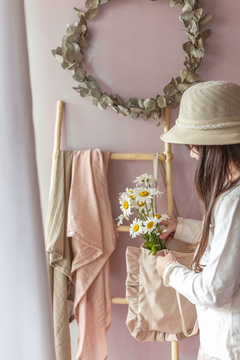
(180, 135)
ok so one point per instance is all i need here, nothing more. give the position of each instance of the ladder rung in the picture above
(119, 300)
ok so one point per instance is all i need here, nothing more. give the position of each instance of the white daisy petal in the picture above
(136, 228)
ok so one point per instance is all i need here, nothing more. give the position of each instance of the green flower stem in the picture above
(152, 207)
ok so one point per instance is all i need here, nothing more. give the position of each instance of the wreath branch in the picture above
(71, 56)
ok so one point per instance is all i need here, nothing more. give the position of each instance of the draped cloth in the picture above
(59, 253)
(93, 233)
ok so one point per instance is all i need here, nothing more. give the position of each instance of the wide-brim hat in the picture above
(209, 115)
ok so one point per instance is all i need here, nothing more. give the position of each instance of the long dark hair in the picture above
(213, 177)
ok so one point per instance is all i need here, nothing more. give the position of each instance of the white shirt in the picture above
(216, 290)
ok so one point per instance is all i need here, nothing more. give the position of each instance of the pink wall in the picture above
(135, 48)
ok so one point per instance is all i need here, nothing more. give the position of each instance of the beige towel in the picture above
(93, 233)
(58, 250)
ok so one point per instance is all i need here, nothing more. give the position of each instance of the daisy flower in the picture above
(155, 192)
(128, 192)
(120, 219)
(139, 205)
(136, 228)
(150, 224)
(145, 179)
(126, 204)
(162, 217)
(143, 195)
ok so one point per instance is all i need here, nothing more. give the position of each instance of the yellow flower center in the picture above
(150, 225)
(140, 204)
(125, 205)
(132, 196)
(158, 216)
(144, 193)
(130, 191)
(136, 228)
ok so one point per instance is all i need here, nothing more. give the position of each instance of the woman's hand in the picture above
(171, 228)
(162, 261)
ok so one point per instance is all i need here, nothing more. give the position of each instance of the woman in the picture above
(209, 124)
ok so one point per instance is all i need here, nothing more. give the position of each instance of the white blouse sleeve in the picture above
(188, 230)
(220, 279)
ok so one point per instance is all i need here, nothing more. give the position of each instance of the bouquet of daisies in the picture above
(148, 223)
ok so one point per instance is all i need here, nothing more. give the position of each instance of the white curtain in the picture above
(26, 330)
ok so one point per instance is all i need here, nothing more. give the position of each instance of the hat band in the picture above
(206, 127)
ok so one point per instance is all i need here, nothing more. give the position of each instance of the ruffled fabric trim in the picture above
(139, 328)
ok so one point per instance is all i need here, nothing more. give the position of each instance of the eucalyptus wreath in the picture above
(71, 54)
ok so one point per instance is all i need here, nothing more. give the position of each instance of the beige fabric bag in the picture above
(156, 312)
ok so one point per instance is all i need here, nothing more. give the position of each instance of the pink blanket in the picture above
(93, 233)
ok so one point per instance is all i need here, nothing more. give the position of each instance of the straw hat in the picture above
(209, 115)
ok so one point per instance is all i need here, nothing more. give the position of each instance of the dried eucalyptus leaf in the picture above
(115, 109)
(141, 103)
(119, 99)
(95, 93)
(183, 86)
(54, 52)
(199, 78)
(156, 115)
(59, 58)
(193, 28)
(92, 85)
(76, 47)
(136, 110)
(73, 38)
(80, 14)
(178, 79)
(84, 92)
(83, 42)
(205, 20)
(161, 101)
(70, 30)
(83, 85)
(198, 13)
(198, 53)
(169, 89)
(79, 74)
(174, 2)
(91, 4)
(101, 105)
(78, 57)
(69, 56)
(174, 105)
(134, 101)
(64, 65)
(133, 115)
(158, 124)
(71, 66)
(189, 76)
(107, 100)
(91, 78)
(149, 104)
(205, 34)
(173, 82)
(90, 14)
(188, 47)
(178, 97)
(123, 110)
(101, 2)
(187, 8)
(192, 3)
(145, 116)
